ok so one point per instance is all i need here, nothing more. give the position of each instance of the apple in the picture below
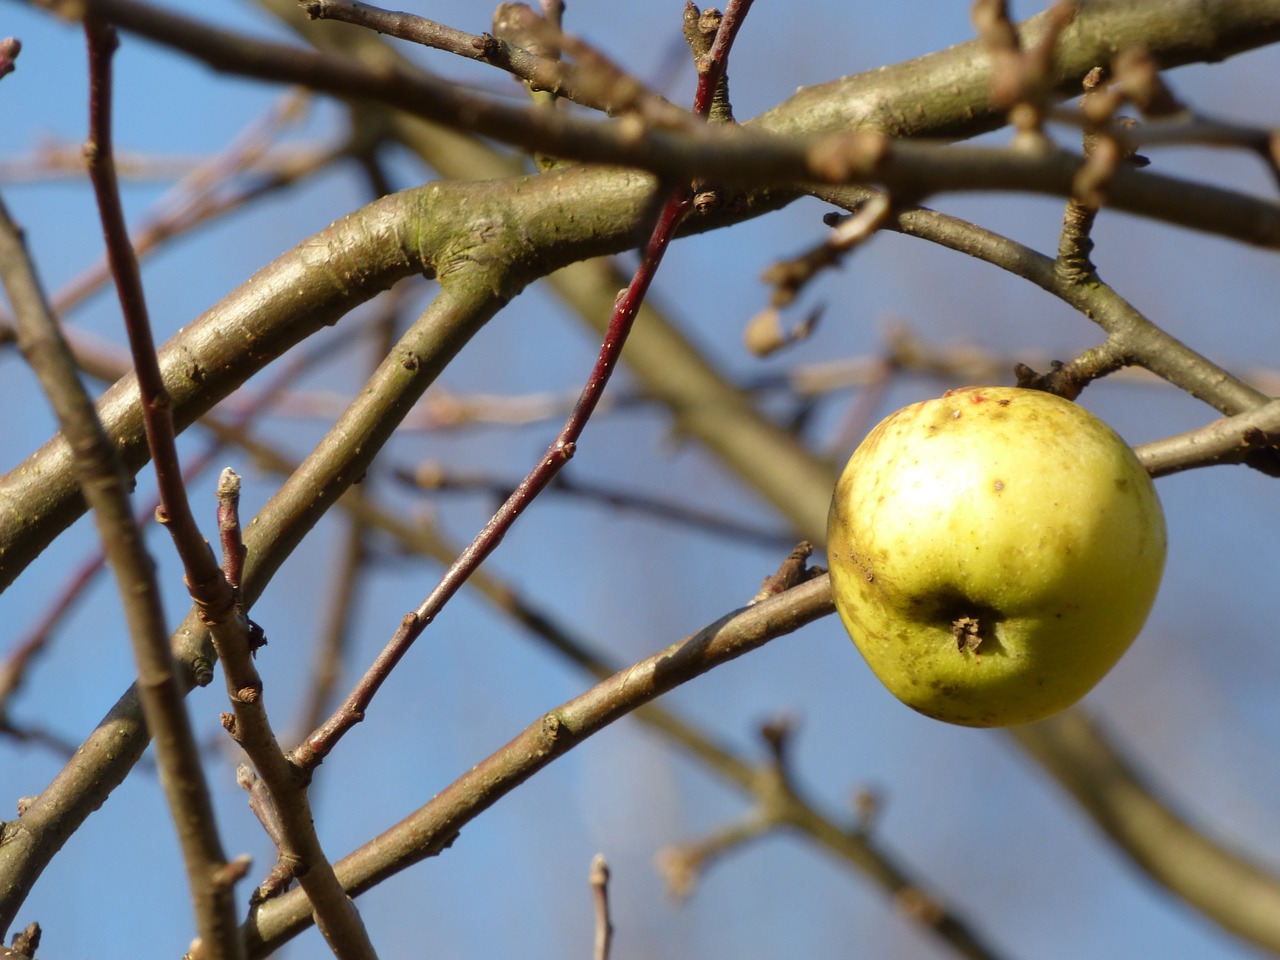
(993, 552)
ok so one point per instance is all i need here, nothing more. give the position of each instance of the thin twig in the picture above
(775, 797)
(433, 477)
(106, 490)
(599, 879)
(595, 82)
(323, 739)
(1132, 334)
(214, 590)
(433, 826)
(300, 848)
(1222, 883)
(209, 873)
(204, 578)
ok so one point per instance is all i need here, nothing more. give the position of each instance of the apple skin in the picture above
(993, 553)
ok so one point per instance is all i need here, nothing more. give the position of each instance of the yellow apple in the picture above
(993, 553)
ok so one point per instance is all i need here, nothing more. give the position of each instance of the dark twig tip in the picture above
(10, 47)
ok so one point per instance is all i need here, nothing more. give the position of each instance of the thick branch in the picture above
(311, 286)
(772, 151)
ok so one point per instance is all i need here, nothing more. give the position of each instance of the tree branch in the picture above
(95, 467)
(768, 152)
(1221, 884)
(434, 826)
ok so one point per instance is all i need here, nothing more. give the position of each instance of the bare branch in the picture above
(1130, 333)
(105, 488)
(1252, 438)
(1224, 885)
(433, 476)
(596, 82)
(726, 153)
(599, 878)
(321, 741)
(431, 828)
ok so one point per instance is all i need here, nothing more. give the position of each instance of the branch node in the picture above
(792, 572)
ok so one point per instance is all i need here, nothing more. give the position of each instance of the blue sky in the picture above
(1193, 701)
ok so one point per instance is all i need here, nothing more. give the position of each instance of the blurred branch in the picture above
(346, 575)
(349, 572)
(202, 195)
(775, 796)
(434, 477)
(59, 160)
(1221, 884)
(599, 878)
(904, 352)
(789, 277)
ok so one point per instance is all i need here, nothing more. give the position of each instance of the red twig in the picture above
(352, 710)
(229, 535)
(716, 68)
(103, 483)
(157, 406)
